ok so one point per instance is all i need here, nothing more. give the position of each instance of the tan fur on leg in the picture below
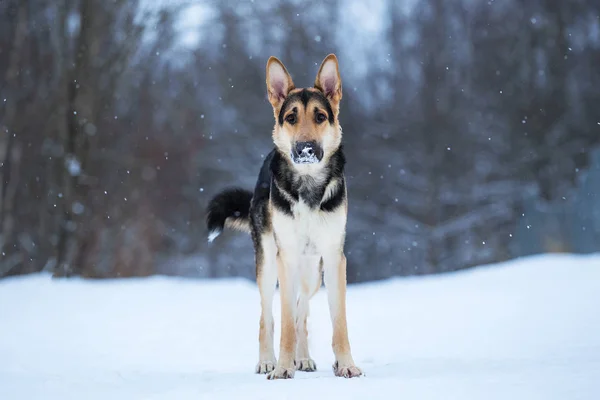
(267, 280)
(335, 281)
(287, 348)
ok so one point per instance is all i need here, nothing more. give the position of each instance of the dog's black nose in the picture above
(305, 148)
(307, 152)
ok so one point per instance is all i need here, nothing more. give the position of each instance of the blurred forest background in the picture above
(472, 129)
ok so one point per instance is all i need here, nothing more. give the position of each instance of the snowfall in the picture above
(526, 329)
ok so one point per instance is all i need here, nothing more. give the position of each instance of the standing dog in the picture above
(297, 218)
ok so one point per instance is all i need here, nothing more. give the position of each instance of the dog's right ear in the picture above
(279, 82)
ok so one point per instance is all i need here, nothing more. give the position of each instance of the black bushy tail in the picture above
(231, 209)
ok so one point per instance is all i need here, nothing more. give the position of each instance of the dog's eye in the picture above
(291, 119)
(321, 118)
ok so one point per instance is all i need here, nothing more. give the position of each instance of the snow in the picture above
(307, 156)
(527, 329)
(73, 166)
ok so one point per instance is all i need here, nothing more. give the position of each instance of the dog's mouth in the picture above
(307, 153)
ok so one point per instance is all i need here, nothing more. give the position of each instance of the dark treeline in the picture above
(114, 133)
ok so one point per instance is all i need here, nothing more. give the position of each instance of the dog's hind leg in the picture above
(266, 278)
(334, 268)
(311, 281)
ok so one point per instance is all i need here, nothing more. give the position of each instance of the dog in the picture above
(297, 219)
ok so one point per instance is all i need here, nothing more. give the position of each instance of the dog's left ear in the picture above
(329, 81)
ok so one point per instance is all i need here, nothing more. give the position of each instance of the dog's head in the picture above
(307, 129)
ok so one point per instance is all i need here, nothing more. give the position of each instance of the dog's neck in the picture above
(310, 185)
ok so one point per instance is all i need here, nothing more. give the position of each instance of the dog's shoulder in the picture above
(335, 192)
(283, 192)
(259, 206)
(263, 183)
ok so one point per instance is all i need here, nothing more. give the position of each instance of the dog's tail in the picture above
(231, 209)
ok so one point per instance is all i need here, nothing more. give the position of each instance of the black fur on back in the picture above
(231, 206)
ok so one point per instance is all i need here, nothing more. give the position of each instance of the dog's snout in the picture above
(307, 152)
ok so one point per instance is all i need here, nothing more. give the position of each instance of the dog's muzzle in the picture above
(307, 153)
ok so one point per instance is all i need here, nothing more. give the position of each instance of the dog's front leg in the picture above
(334, 268)
(266, 278)
(288, 288)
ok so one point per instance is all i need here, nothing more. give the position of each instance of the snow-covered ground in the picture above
(528, 329)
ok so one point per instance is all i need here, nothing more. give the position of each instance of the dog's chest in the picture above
(308, 225)
(309, 231)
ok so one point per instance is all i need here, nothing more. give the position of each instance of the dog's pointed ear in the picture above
(329, 81)
(279, 82)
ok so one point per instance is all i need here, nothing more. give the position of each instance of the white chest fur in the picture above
(309, 232)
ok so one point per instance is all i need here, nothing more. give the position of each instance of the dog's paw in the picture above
(346, 371)
(306, 365)
(281, 373)
(264, 367)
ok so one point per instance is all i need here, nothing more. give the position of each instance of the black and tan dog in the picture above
(297, 218)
